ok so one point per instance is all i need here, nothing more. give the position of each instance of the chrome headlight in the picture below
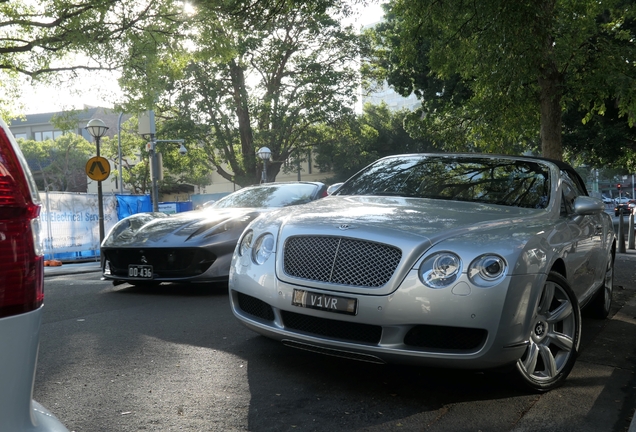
(263, 248)
(246, 243)
(487, 270)
(440, 270)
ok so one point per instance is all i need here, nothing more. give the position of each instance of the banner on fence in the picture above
(70, 224)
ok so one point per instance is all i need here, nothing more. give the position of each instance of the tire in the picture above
(601, 304)
(554, 338)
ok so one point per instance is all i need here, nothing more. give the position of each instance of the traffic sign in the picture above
(98, 168)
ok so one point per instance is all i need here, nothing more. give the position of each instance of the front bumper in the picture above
(460, 326)
(170, 264)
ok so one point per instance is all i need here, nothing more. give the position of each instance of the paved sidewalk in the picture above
(72, 268)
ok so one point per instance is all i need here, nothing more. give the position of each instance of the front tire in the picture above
(554, 338)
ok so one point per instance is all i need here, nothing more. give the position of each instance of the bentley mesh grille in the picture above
(443, 337)
(254, 306)
(340, 260)
(332, 328)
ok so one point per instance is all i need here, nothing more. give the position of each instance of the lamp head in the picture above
(182, 150)
(96, 128)
(264, 153)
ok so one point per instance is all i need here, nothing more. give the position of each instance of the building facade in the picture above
(40, 127)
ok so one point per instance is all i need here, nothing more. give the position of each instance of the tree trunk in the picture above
(550, 83)
(550, 99)
(245, 128)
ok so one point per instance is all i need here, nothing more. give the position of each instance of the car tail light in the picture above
(21, 251)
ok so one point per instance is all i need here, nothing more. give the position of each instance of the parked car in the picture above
(21, 292)
(454, 260)
(621, 200)
(195, 246)
(607, 200)
(623, 208)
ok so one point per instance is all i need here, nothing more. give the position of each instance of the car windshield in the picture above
(491, 180)
(271, 195)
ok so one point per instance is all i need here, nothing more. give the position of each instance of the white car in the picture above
(21, 293)
(621, 200)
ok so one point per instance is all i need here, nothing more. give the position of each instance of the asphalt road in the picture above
(175, 359)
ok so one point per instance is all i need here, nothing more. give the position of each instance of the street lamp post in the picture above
(98, 129)
(264, 153)
(121, 179)
(156, 168)
(147, 128)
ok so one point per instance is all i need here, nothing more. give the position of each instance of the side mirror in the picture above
(585, 205)
(333, 188)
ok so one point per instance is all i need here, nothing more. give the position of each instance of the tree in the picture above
(521, 63)
(274, 79)
(40, 40)
(604, 140)
(136, 165)
(354, 142)
(59, 164)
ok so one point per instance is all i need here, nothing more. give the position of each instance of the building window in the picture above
(48, 135)
(20, 135)
(57, 134)
(37, 136)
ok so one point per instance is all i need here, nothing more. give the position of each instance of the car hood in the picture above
(413, 225)
(420, 217)
(188, 228)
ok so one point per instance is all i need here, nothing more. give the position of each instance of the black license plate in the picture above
(324, 302)
(140, 271)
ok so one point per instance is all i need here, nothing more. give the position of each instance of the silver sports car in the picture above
(454, 260)
(196, 246)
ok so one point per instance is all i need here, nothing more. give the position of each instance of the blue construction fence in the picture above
(70, 225)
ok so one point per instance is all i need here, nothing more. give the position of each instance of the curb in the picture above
(72, 268)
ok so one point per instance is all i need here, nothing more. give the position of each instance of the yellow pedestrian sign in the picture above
(97, 168)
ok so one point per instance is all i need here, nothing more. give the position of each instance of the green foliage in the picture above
(500, 73)
(135, 160)
(59, 165)
(41, 40)
(351, 144)
(251, 82)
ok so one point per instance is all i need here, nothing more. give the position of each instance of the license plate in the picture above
(140, 271)
(325, 302)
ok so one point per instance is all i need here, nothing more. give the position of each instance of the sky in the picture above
(101, 89)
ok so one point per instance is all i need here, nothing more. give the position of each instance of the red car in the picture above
(21, 293)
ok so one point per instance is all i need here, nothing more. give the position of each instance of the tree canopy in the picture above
(356, 141)
(271, 80)
(41, 40)
(500, 73)
(60, 164)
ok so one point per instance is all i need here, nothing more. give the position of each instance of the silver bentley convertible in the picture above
(195, 246)
(452, 260)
